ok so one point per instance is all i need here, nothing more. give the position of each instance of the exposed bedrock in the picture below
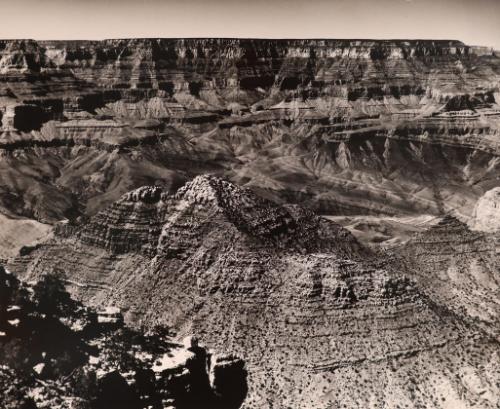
(458, 267)
(425, 166)
(345, 127)
(487, 211)
(310, 310)
(194, 65)
(213, 73)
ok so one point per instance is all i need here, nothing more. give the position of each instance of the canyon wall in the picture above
(178, 179)
(343, 126)
(320, 320)
(372, 127)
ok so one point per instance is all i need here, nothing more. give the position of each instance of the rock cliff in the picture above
(343, 126)
(310, 310)
(56, 353)
(487, 211)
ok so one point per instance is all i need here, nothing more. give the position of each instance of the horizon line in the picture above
(249, 38)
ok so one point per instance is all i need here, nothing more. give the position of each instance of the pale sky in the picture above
(476, 22)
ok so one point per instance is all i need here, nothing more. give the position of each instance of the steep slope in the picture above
(56, 353)
(459, 268)
(343, 126)
(487, 211)
(286, 290)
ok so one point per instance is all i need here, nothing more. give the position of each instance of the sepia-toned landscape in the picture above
(249, 223)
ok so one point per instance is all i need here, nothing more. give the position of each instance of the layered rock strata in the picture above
(295, 295)
(326, 123)
(458, 267)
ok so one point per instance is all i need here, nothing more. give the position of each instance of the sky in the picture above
(475, 22)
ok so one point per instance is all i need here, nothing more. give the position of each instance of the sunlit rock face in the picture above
(487, 211)
(309, 309)
(182, 180)
(342, 126)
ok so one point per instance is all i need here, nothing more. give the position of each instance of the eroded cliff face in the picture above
(336, 67)
(458, 267)
(487, 211)
(347, 127)
(99, 140)
(311, 310)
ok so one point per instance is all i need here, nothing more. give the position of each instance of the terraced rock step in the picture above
(458, 267)
(340, 126)
(310, 309)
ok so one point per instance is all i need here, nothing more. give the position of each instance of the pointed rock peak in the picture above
(234, 200)
(145, 194)
(250, 213)
(208, 189)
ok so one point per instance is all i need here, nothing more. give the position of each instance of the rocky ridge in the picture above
(309, 309)
(458, 267)
(342, 126)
